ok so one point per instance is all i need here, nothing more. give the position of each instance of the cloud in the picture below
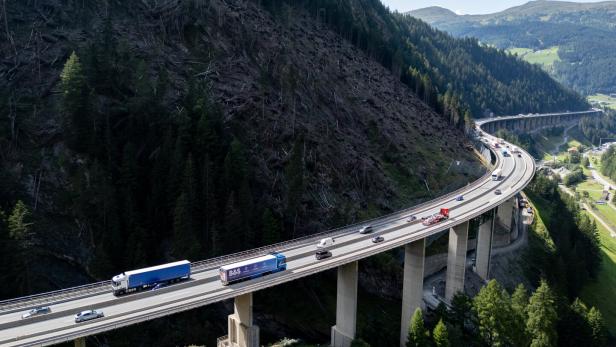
(459, 12)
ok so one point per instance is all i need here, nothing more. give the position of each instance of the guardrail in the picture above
(198, 266)
(334, 232)
(56, 295)
(197, 299)
(61, 295)
(183, 305)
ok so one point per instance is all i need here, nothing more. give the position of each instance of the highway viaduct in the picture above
(534, 122)
(480, 200)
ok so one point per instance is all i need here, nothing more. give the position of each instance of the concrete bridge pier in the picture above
(80, 342)
(456, 260)
(484, 247)
(412, 287)
(343, 333)
(505, 213)
(242, 332)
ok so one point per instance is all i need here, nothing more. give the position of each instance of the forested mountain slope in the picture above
(452, 75)
(141, 132)
(584, 35)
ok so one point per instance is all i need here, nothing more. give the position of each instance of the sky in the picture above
(459, 6)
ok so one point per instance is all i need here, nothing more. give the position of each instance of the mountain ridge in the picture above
(582, 33)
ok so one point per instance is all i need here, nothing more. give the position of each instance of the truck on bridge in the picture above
(252, 268)
(437, 217)
(136, 280)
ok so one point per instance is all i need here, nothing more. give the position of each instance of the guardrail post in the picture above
(412, 285)
(80, 342)
(346, 306)
(456, 260)
(484, 247)
(241, 331)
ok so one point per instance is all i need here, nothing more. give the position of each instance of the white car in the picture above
(87, 315)
(366, 229)
(325, 243)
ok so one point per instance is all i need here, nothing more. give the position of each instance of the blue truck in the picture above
(135, 280)
(252, 268)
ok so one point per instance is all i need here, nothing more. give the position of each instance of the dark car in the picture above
(497, 192)
(519, 155)
(36, 312)
(377, 239)
(322, 254)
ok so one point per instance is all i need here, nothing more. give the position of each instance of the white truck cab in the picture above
(325, 243)
(119, 283)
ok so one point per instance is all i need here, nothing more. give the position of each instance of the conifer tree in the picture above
(18, 223)
(418, 335)
(597, 325)
(235, 167)
(519, 302)
(294, 174)
(271, 228)
(542, 317)
(75, 95)
(440, 335)
(573, 327)
(234, 226)
(461, 309)
(216, 241)
(186, 244)
(495, 315)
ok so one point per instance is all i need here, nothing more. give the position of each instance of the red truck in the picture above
(437, 217)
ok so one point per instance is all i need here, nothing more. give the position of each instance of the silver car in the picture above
(366, 229)
(87, 315)
(36, 312)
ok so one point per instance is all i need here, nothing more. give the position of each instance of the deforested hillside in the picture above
(141, 132)
(457, 77)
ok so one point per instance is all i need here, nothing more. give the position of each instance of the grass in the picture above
(544, 57)
(595, 160)
(603, 100)
(550, 144)
(576, 134)
(543, 212)
(597, 293)
(607, 214)
(546, 144)
(593, 188)
(600, 293)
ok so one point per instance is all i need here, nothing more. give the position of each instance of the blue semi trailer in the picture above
(253, 268)
(135, 280)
